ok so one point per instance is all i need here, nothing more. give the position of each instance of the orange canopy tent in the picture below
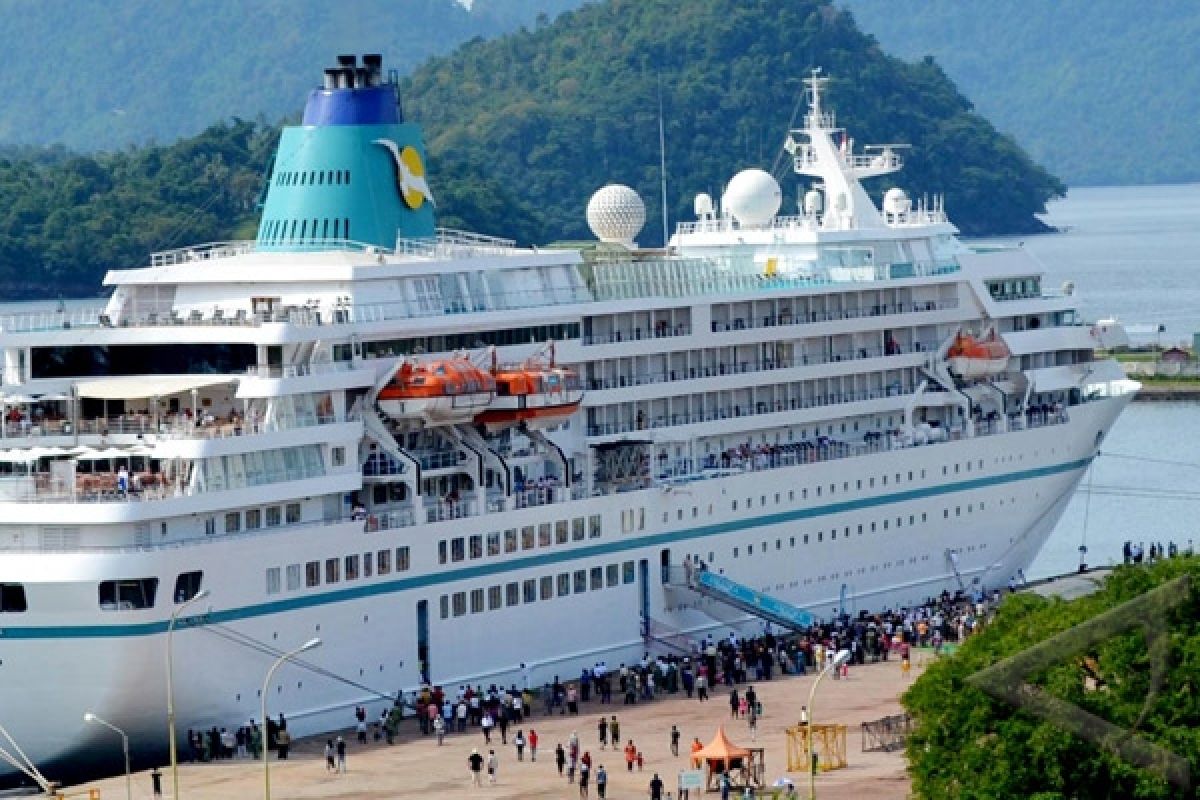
(721, 755)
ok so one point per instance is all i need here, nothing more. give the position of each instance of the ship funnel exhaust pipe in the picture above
(374, 64)
(347, 60)
(346, 78)
(331, 79)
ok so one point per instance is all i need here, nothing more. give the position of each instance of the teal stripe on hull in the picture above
(541, 560)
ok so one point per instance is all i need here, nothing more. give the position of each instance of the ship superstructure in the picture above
(448, 456)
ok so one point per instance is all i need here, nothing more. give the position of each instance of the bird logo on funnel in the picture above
(410, 174)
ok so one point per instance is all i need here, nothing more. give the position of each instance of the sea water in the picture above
(1132, 253)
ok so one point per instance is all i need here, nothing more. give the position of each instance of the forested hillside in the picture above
(554, 113)
(1099, 91)
(523, 129)
(101, 75)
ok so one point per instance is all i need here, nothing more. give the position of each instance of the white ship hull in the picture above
(370, 631)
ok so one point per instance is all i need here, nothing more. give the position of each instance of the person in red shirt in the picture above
(533, 740)
(630, 755)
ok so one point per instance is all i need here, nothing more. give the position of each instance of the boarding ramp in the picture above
(740, 596)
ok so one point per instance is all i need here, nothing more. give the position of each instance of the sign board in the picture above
(691, 779)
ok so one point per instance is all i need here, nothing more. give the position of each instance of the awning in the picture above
(140, 386)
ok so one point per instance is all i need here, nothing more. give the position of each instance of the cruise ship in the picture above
(455, 460)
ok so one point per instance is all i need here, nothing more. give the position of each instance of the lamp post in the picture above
(200, 595)
(90, 717)
(841, 658)
(309, 645)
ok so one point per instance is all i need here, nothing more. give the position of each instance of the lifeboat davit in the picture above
(440, 392)
(969, 357)
(537, 395)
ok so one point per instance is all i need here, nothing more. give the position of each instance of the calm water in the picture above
(1133, 253)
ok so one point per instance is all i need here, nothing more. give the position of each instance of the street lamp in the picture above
(90, 717)
(309, 645)
(841, 658)
(200, 595)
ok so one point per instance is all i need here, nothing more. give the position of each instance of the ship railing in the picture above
(179, 425)
(636, 334)
(830, 315)
(453, 243)
(204, 252)
(758, 365)
(748, 410)
(444, 306)
(47, 320)
(300, 370)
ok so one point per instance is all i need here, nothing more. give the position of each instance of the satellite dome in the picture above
(753, 197)
(895, 201)
(703, 205)
(616, 214)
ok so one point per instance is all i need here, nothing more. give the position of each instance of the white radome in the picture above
(753, 197)
(616, 214)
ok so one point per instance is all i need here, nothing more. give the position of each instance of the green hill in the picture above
(1100, 91)
(96, 76)
(557, 112)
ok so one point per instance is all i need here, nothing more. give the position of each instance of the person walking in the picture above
(584, 775)
(156, 783)
(475, 765)
(519, 743)
(330, 759)
(486, 724)
(341, 754)
(533, 740)
(674, 740)
(602, 730)
(734, 703)
(560, 758)
(439, 728)
(656, 787)
(630, 756)
(601, 782)
(614, 732)
(492, 764)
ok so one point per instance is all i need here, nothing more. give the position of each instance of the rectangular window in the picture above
(210, 526)
(293, 577)
(529, 590)
(494, 598)
(459, 603)
(12, 598)
(338, 456)
(493, 544)
(332, 570)
(594, 526)
(578, 528)
(273, 516)
(476, 546)
(560, 532)
(254, 519)
(292, 514)
(512, 593)
(546, 587)
(351, 567)
(402, 560)
(476, 601)
(597, 578)
(627, 573)
(444, 605)
(581, 579)
(273, 580)
(187, 586)
(128, 595)
(527, 537)
(383, 562)
(368, 563)
(564, 584)
(612, 575)
(510, 540)
(544, 534)
(457, 549)
(442, 551)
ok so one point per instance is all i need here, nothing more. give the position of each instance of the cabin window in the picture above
(312, 574)
(12, 598)
(529, 590)
(293, 577)
(273, 580)
(128, 595)
(187, 585)
(383, 562)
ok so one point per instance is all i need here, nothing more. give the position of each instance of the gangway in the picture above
(740, 596)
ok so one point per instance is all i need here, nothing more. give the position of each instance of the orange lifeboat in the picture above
(537, 395)
(969, 357)
(440, 392)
